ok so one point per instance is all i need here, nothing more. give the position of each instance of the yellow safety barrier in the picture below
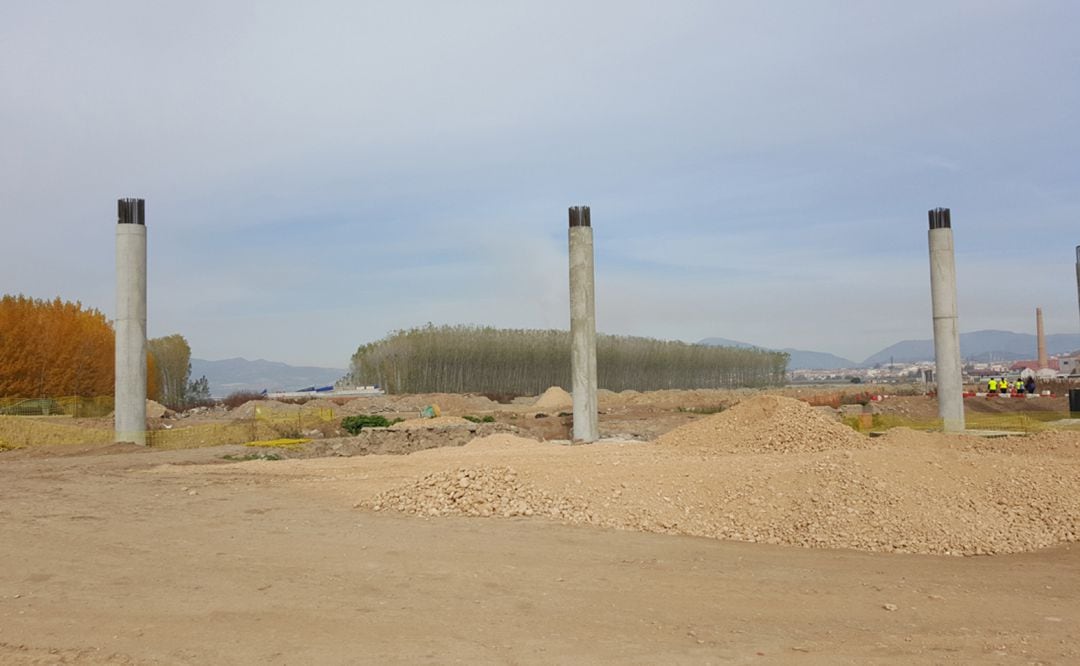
(300, 417)
(50, 421)
(74, 406)
(1024, 422)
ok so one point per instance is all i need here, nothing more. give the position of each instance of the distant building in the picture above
(1069, 365)
(1053, 364)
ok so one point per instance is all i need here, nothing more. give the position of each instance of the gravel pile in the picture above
(765, 424)
(478, 491)
(933, 501)
(770, 470)
(943, 502)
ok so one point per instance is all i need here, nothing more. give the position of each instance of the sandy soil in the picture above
(624, 552)
(149, 557)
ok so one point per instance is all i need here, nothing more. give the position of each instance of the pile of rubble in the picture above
(765, 424)
(478, 491)
(772, 470)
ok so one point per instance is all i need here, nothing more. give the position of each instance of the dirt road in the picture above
(114, 559)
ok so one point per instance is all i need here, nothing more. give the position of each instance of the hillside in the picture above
(240, 374)
(979, 345)
(800, 359)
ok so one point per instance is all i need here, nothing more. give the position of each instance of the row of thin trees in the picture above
(472, 359)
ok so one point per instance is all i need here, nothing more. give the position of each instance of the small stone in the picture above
(890, 607)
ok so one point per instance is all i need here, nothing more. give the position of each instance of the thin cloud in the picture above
(317, 177)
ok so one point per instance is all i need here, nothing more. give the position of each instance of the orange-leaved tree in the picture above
(57, 348)
(54, 348)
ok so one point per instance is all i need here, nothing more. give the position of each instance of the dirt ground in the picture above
(121, 555)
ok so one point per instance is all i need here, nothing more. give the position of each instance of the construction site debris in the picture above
(771, 470)
(432, 423)
(765, 424)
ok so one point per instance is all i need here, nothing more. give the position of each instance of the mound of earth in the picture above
(765, 424)
(321, 404)
(447, 402)
(553, 399)
(920, 493)
(429, 424)
(251, 408)
(503, 442)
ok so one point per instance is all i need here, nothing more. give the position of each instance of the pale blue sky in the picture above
(318, 176)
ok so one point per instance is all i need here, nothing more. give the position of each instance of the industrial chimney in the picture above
(130, 407)
(1040, 336)
(950, 385)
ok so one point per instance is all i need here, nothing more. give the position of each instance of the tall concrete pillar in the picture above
(1078, 274)
(1040, 340)
(130, 407)
(583, 326)
(950, 383)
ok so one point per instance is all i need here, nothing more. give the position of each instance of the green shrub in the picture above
(354, 424)
(480, 419)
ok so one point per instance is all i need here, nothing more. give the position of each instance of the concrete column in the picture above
(583, 326)
(1040, 340)
(130, 407)
(1078, 274)
(950, 383)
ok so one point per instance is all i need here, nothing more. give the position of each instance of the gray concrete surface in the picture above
(946, 329)
(130, 407)
(583, 327)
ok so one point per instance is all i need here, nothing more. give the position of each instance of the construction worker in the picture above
(1003, 386)
(991, 386)
(1018, 386)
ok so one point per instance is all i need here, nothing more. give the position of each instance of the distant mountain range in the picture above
(980, 346)
(984, 346)
(800, 358)
(240, 374)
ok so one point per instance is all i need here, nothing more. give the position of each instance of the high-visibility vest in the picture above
(1018, 385)
(992, 385)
